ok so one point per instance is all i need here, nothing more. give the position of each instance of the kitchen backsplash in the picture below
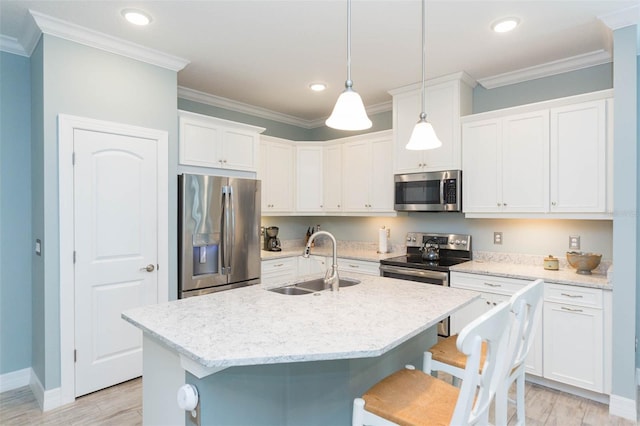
(529, 259)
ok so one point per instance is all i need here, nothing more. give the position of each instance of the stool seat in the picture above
(412, 397)
(445, 351)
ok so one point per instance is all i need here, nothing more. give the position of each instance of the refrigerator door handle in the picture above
(224, 228)
(231, 231)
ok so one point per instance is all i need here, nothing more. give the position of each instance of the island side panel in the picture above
(309, 393)
(162, 376)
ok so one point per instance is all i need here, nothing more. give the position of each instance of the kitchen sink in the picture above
(311, 286)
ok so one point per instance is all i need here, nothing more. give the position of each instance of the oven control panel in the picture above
(444, 241)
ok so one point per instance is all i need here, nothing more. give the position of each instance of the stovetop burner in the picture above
(453, 249)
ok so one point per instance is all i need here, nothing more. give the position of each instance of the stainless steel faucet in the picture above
(331, 277)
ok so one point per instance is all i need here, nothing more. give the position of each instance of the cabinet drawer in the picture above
(571, 295)
(487, 283)
(360, 266)
(278, 265)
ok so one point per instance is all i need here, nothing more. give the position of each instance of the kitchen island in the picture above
(263, 358)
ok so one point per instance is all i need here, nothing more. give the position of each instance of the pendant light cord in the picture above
(424, 55)
(349, 83)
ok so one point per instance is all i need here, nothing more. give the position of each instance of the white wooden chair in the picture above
(526, 307)
(413, 397)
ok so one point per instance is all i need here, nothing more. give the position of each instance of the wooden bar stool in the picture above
(526, 307)
(413, 397)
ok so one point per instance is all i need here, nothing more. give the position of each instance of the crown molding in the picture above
(622, 18)
(12, 45)
(88, 37)
(231, 105)
(572, 63)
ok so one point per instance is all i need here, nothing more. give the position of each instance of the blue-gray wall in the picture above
(15, 206)
(79, 80)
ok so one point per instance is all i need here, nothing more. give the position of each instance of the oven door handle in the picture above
(444, 276)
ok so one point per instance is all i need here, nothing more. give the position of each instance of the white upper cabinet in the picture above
(550, 159)
(505, 164)
(309, 177)
(578, 152)
(277, 166)
(215, 143)
(447, 98)
(367, 174)
(332, 178)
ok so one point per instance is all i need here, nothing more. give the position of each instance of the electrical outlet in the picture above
(497, 238)
(574, 242)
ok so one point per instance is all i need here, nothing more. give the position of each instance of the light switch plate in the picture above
(574, 242)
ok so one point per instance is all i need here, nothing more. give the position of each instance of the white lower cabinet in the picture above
(312, 265)
(573, 336)
(278, 271)
(359, 266)
(570, 345)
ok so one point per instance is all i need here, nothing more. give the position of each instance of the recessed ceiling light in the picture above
(136, 17)
(317, 87)
(505, 25)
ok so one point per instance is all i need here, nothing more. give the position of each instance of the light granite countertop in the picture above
(254, 326)
(565, 275)
(366, 254)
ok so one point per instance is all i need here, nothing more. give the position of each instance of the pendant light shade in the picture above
(349, 112)
(423, 136)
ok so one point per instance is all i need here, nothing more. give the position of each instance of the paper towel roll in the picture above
(382, 240)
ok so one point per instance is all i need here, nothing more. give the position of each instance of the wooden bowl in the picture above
(583, 262)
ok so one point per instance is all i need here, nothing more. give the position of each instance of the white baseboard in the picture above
(15, 379)
(47, 399)
(623, 407)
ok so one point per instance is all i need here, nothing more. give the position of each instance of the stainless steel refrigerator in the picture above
(218, 233)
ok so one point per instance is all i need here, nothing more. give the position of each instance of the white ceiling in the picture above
(265, 53)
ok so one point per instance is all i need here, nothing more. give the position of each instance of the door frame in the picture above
(67, 124)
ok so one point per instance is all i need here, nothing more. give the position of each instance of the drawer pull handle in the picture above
(578, 296)
(278, 265)
(570, 310)
(493, 285)
(353, 266)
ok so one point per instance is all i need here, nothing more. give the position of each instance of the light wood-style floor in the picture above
(122, 405)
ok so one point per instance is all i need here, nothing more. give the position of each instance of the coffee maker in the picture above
(271, 240)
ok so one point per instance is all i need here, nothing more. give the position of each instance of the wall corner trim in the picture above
(47, 399)
(623, 407)
(76, 33)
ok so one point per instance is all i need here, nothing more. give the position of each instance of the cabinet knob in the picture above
(553, 203)
(504, 204)
(499, 204)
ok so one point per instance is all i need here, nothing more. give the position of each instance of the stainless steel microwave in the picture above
(429, 191)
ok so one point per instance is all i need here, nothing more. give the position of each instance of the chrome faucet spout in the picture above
(331, 278)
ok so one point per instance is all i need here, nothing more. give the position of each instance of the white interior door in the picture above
(116, 249)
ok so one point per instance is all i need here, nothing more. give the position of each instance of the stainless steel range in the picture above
(428, 259)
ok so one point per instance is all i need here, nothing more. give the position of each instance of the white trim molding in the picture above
(622, 18)
(231, 105)
(623, 407)
(76, 33)
(15, 379)
(560, 66)
(47, 399)
(67, 124)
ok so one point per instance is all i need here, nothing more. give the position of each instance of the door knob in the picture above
(148, 268)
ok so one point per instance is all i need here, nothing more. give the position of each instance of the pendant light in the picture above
(423, 136)
(349, 112)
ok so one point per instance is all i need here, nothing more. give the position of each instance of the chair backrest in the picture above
(526, 306)
(477, 390)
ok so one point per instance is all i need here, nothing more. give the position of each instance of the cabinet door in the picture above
(313, 265)
(573, 352)
(579, 157)
(406, 113)
(199, 144)
(276, 172)
(534, 362)
(332, 178)
(356, 174)
(525, 169)
(239, 150)
(309, 178)
(482, 171)
(443, 112)
(381, 176)
(463, 316)
(278, 271)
